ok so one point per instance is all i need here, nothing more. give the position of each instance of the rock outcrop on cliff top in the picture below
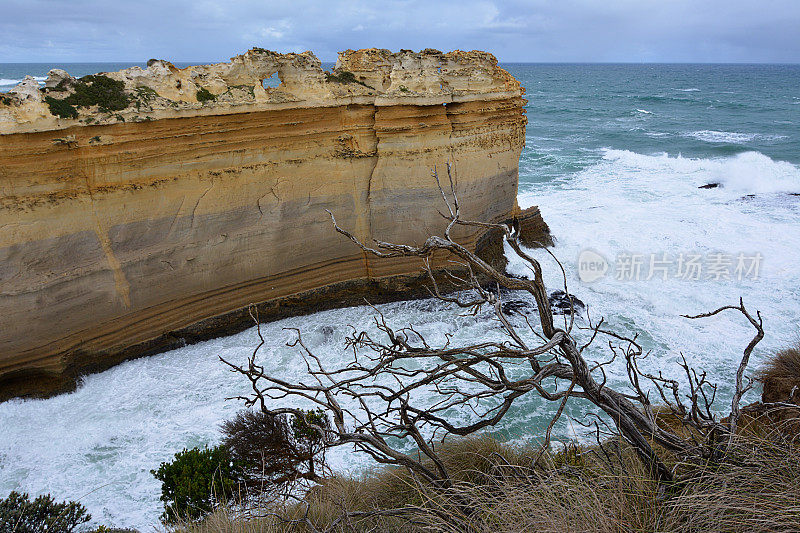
(129, 230)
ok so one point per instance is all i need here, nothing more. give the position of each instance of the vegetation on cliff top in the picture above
(601, 488)
(20, 514)
(260, 457)
(344, 77)
(781, 376)
(196, 482)
(204, 95)
(106, 93)
(577, 489)
(144, 96)
(61, 108)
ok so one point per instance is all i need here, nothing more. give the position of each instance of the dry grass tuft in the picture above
(781, 377)
(594, 490)
(578, 490)
(757, 491)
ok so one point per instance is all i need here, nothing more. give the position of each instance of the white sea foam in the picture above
(650, 204)
(644, 111)
(11, 82)
(745, 173)
(100, 442)
(689, 90)
(647, 204)
(712, 136)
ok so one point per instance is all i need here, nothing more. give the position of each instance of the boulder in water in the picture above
(564, 304)
(560, 303)
(513, 307)
(532, 229)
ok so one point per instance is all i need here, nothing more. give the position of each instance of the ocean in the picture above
(615, 157)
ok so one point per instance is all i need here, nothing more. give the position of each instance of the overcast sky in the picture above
(516, 30)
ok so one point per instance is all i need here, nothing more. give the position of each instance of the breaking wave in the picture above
(743, 173)
(10, 82)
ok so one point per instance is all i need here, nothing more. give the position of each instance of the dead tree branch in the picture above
(399, 388)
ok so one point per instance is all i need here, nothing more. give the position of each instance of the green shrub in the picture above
(96, 89)
(261, 455)
(18, 514)
(61, 108)
(146, 93)
(196, 482)
(303, 429)
(344, 77)
(204, 95)
(99, 90)
(249, 89)
(62, 85)
(143, 96)
(341, 77)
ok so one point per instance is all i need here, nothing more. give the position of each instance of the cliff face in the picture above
(132, 231)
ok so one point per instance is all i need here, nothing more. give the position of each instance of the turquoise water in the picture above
(614, 157)
(694, 110)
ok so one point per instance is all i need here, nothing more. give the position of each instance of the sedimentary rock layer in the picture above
(128, 232)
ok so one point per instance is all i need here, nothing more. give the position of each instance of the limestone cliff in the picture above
(126, 231)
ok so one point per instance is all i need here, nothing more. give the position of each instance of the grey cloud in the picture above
(515, 30)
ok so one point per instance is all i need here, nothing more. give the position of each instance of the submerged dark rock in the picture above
(560, 302)
(564, 304)
(514, 307)
(710, 186)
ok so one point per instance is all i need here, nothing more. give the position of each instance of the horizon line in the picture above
(205, 62)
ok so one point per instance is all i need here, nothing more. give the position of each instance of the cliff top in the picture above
(161, 90)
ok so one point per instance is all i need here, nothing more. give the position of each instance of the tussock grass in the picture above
(781, 376)
(757, 490)
(574, 490)
(599, 489)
